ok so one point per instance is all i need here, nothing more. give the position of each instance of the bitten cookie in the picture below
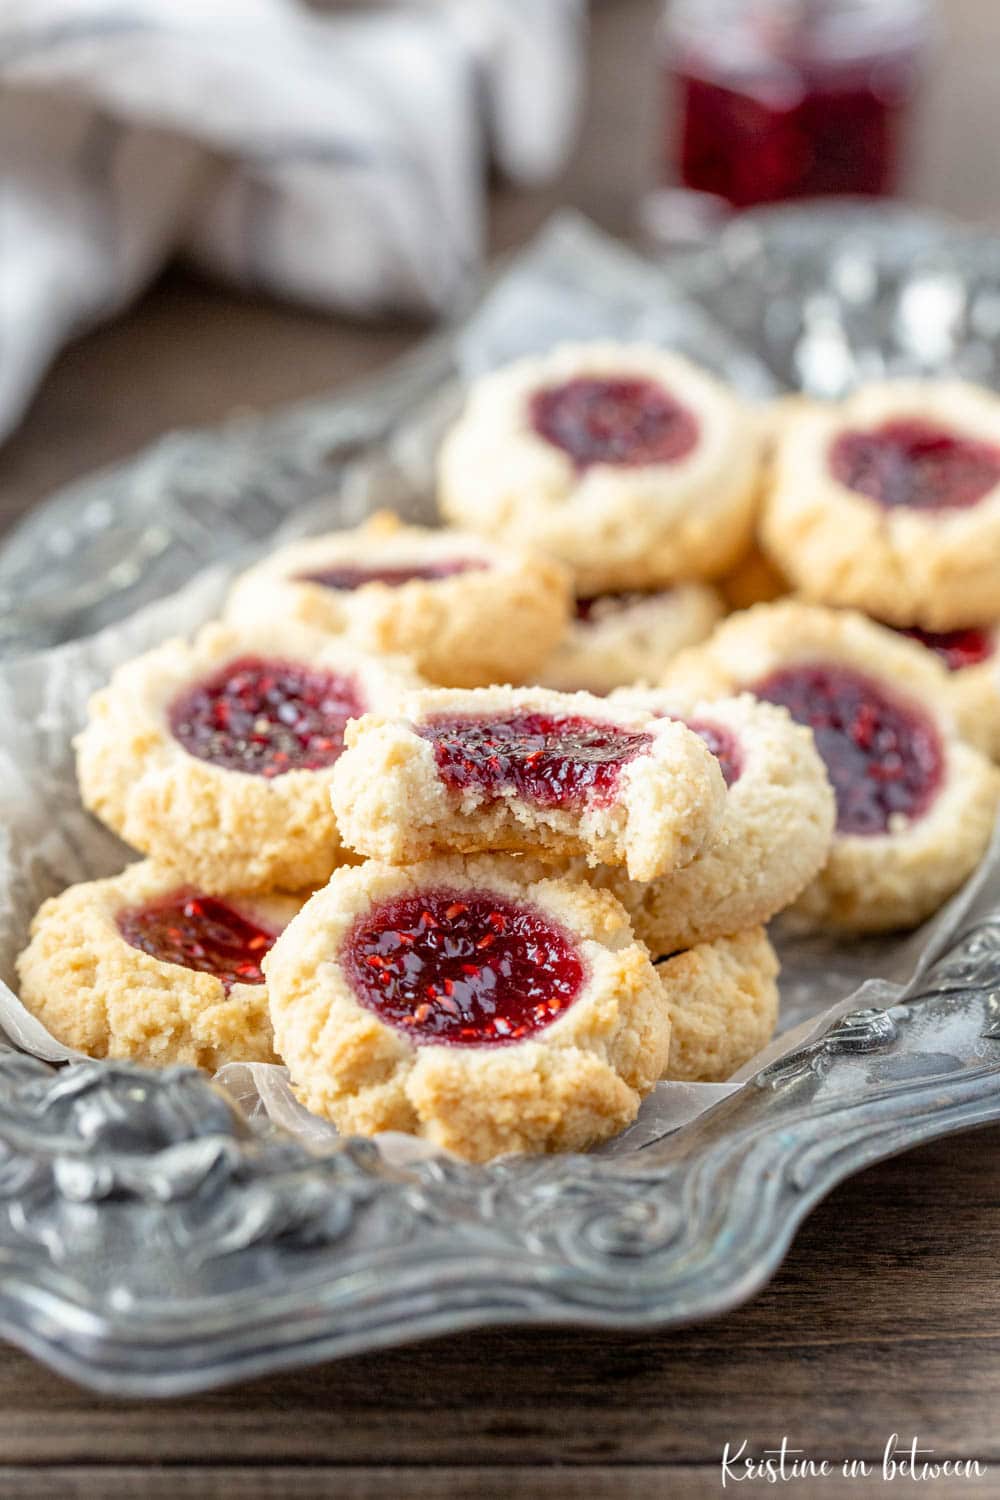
(617, 639)
(469, 1002)
(527, 771)
(915, 803)
(215, 756)
(972, 661)
(140, 967)
(889, 502)
(629, 463)
(723, 1002)
(774, 837)
(467, 612)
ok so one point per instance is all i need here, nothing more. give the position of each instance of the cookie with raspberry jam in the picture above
(889, 502)
(528, 771)
(215, 756)
(775, 833)
(915, 802)
(629, 463)
(143, 967)
(469, 1001)
(465, 610)
(616, 639)
(971, 658)
(723, 1003)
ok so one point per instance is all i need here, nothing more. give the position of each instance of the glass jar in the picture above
(778, 99)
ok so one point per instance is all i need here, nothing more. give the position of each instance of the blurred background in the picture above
(212, 207)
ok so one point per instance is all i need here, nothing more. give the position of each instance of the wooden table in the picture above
(886, 1316)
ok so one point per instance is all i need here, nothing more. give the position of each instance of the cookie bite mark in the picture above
(351, 576)
(528, 771)
(462, 969)
(266, 717)
(917, 464)
(199, 932)
(614, 420)
(472, 1002)
(883, 755)
(552, 760)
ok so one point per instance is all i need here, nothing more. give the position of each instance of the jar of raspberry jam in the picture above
(778, 99)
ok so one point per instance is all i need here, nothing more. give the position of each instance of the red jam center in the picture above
(614, 422)
(915, 464)
(723, 745)
(465, 969)
(266, 717)
(956, 648)
(199, 932)
(552, 761)
(882, 757)
(350, 576)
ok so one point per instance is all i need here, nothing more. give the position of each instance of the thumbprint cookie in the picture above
(723, 1003)
(629, 463)
(889, 502)
(616, 639)
(775, 833)
(527, 771)
(470, 1002)
(466, 611)
(142, 967)
(915, 802)
(215, 756)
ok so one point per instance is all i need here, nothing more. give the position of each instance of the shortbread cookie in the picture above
(140, 967)
(617, 639)
(915, 803)
(528, 771)
(466, 611)
(972, 659)
(723, 1001)
(216, 756)
(471, 1002)
(889, 502)
(774, 837)
(629, 463)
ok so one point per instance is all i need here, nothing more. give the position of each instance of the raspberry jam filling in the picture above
(883, 757)
(352, 576)
(555, 762)
(462, 968)
(199, 932)
(266, 717)
(723, 745)
(615, 421)
(916, 464)
(956, 648)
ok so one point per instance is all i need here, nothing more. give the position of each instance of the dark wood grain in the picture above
(886, 1315)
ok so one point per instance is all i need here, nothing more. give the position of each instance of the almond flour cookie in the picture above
(622, 638)
(723, 1002)
(215, 756)
(470, 1002)
(774, 837)
(971, 658)
(528, 771)
(889, 502)
(140, 967)
(629, 463)
(467, 612)
(915, 804)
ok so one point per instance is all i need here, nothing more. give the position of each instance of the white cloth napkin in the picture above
(328, 153)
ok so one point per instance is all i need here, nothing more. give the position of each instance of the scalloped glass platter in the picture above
(160, 1233)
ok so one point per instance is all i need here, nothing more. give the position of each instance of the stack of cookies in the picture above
(496, 916)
